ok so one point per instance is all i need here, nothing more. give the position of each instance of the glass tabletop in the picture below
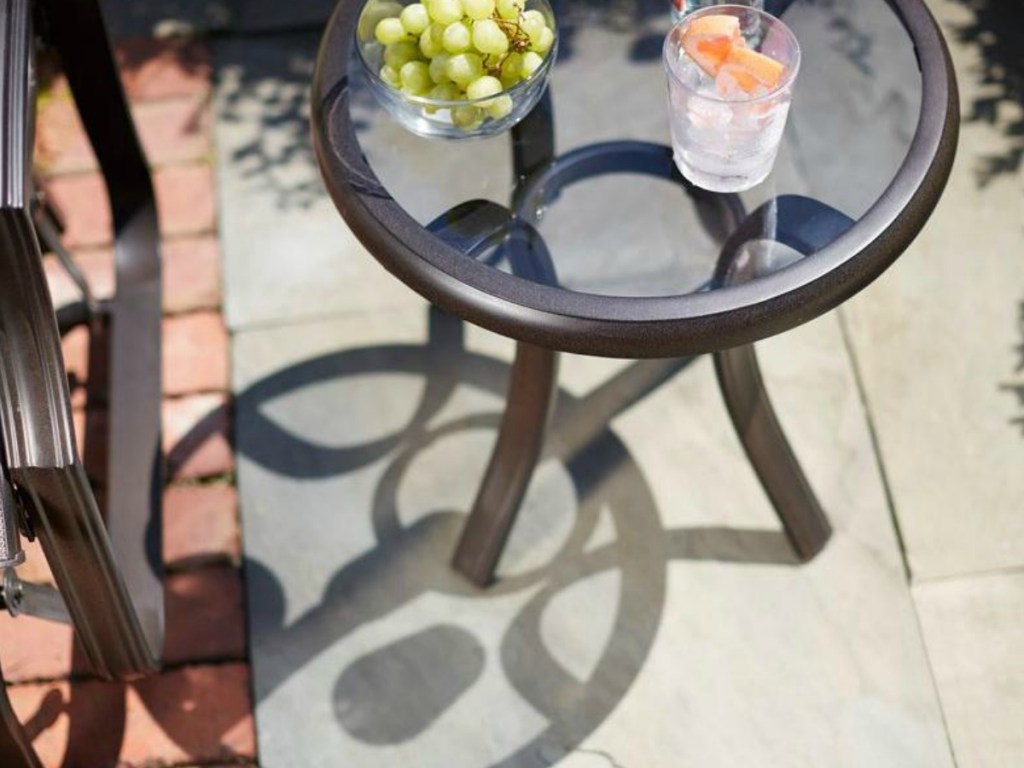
(622, 233)
(575, 231)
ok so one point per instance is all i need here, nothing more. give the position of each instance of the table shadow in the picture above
(397, 692)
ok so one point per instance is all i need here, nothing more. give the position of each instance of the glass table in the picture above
(575, 232)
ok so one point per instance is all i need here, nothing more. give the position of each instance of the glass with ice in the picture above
(681, 8)
(730, 71)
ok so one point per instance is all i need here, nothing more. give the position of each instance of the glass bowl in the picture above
(433, 118)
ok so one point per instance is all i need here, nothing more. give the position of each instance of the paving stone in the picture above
(35, 568)
(974, 629)
(184, 198)
(200, 524)
(153, 69)
(34, 649)
(164, 68)
(205, 620)
(193, 714)
(267, 16)
(196, 434)
(96, 264)
(195, 354)
(130, 19)
(938, 342)
(287, 254)
(191, 275)
(647, 603)
(171, 131)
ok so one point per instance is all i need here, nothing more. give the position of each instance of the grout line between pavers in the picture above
(891, 503)
(203, 161)
(75, 678)
(876, 447)
(1009, 570)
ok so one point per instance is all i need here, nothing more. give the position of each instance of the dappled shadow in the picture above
(264, 116)
(998, 33)
(1015, 388)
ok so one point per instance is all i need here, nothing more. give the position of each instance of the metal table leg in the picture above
(804, 225)
(531, 394)
(803, 519)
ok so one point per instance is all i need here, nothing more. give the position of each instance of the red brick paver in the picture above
(195, 354)
(198, 709)
(184, 200)
(204, 623)
(196, 435)
(191, 714)
(174, 131)
(191, 274)
(200, 524)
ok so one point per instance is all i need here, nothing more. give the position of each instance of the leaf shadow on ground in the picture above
(997, 31)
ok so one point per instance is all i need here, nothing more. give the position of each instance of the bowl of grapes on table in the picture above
(457, 69)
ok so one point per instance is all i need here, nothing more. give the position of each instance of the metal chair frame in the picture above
(100, 533)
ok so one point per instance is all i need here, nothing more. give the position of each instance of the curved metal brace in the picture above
(804, 225)
(108, 578)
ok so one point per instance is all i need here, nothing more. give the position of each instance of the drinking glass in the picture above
(681, 8)
(726, 140)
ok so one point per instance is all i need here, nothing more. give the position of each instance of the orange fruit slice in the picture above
(709, 39)
(751, 70)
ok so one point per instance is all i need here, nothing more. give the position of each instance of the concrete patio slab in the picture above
(974, 630)
(287, 253)
(939, 341)
(649, 612)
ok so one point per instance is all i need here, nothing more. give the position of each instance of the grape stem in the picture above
(518, 40)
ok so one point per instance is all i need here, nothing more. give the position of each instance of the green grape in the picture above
(390, 31)
(488, 37)
(467, 118)
(544, 41)
(446, 92)
(397, 54)
(510, 9)
(390, 76)
(464, 68)
(511, 70)
(415, 18)
(483, 87)
(415, 77)
(438, 69)
(445, 11)
(532, 24)
(531, 63)
(478, 9)
(372, 15)
(457, 37)
(499, 107)
(432, 40)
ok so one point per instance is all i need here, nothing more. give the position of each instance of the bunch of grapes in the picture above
(459, 50)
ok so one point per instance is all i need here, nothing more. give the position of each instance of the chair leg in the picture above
(803, 519)
(531, 392)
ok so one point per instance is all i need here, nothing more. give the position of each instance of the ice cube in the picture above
(705, 113)
(728, 86)
(688, 72)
